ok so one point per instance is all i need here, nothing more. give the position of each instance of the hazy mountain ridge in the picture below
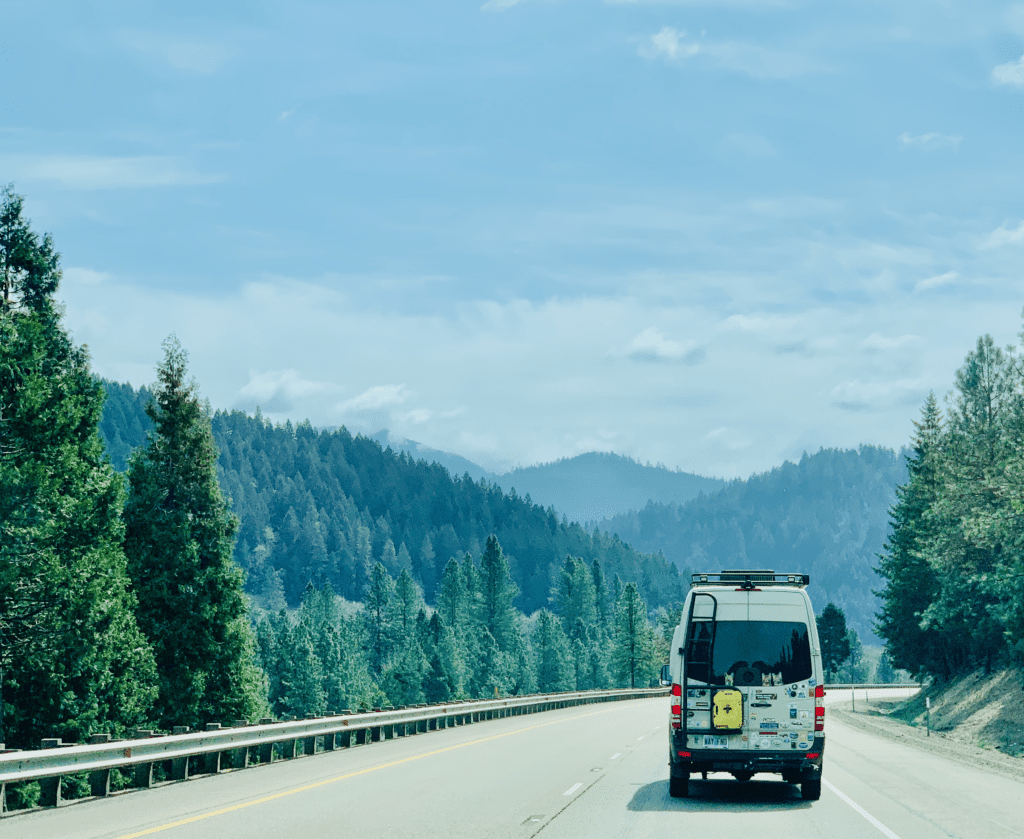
(827, 516)
(597, 485)
(586, 488)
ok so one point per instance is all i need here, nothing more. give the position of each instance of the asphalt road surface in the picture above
(595, 771)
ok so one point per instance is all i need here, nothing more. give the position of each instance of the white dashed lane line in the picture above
(617, 754)
(885, 831)
(575, 787)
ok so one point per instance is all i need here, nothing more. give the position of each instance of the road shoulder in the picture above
(899, 731)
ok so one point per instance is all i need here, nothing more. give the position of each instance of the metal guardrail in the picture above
(243, 746)
(871, 686)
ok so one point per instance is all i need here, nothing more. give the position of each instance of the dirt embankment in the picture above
(978, 720)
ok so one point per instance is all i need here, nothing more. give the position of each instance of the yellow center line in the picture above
(308, 787)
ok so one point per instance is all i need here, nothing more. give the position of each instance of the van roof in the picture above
(748, 580)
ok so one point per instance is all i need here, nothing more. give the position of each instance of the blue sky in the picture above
(707, 234)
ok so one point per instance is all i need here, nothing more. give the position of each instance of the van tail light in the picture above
(819, 708)
(677, 706)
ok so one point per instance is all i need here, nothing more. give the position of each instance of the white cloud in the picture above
(876, 342)
(756, 323)
(652, 345)
(1011, 73)
(276, 391)
(674, 45)
(929, 142)
(84, 276)
(375, 398)
(876, 396)
(937, 281)
(668, 43)
(1003, 235)
(477, 378)
(728, 437)
(93, 172)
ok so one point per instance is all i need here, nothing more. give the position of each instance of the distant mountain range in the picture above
(585, 489)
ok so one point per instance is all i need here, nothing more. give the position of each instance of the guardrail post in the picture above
(375, 733)
(50, 788)
(288, 749)
(346, 739)
(239, 758)
(361, 736)
(211, 761)
(266, 750)
(99, 781)
(330, 740)
(144, 771)
(309, 745)
(179, 765)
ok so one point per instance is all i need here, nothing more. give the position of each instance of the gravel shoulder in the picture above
(978, 721)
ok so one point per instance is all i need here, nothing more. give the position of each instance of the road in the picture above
(594, 771)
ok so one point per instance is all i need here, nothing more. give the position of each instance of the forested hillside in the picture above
(826, 516)
(319, 506)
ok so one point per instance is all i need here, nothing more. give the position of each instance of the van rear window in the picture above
(748, 652)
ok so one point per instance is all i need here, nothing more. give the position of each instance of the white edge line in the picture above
(861, 810)
(577, 785)
(617, 754)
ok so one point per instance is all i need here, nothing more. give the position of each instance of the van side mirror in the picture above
(666, 676)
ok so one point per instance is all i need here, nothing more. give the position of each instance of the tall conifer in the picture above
(179, 539)
(72, 659)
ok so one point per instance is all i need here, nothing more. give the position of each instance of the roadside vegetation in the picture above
(953, 566)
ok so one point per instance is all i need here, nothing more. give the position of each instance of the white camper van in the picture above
(745, 670)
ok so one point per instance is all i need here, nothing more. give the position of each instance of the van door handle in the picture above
(760, 704)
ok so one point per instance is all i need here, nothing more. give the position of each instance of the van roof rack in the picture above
(749, 579)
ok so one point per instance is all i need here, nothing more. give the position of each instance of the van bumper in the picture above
(719, 760)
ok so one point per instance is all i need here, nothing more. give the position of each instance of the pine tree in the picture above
(497, 592)
(885, 673)
(72, 660)
(179, 538)
(911, 583)
(832, 634)
(379, 618)
(452, 602)
(634, 650)
(407, 604)
(552, 655)
(577, 599)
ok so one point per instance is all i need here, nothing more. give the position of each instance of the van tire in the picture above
(743, 775)
(811, 790)
(679, 786)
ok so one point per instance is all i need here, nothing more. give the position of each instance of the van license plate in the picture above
(716, 742)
